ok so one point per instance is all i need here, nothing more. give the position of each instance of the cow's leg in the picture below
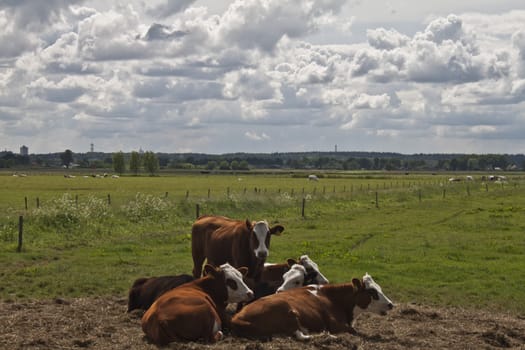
(301, 336)
(197, 266)
(197, 252)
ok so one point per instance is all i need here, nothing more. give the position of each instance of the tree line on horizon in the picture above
(150, 162)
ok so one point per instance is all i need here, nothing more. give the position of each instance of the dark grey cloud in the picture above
(162, 32)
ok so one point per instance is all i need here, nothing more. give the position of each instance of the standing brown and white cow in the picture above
(314, 308)
(223, 240)
(196, 310)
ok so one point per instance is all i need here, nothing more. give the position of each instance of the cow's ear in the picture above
(243, 270)
(248, 224)
(276, 230)
(209, 270)
(357, 283)
(291, 262)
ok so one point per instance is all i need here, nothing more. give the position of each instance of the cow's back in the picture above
(146, 290)
(281, 313)
(183, 313)
(219, 240)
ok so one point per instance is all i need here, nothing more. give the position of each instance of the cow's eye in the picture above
(231, 283)
(373, 293)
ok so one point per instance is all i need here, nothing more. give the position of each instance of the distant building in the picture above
(24, 151)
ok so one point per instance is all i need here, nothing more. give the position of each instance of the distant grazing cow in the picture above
(241, 243)
(273, 276)
(331, 307)
(313, 177)
(196, 310)
(145, 291)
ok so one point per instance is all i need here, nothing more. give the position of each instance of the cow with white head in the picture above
(241, 243)
(313, 308)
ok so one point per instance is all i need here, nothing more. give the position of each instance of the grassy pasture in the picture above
(425, 240)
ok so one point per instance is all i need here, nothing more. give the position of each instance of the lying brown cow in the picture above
(145, 291)
(196, 310)
(223, 240)
(312, 308)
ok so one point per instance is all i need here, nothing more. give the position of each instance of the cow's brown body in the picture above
(311, 308)
(220, 239)
(145, 291)
(191, 312)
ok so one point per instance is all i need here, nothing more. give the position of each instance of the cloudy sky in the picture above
(215, 76)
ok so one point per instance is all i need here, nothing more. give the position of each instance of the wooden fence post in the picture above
(166, 195)
(25, 200)
(377, 200)
(37, 202)
(302, 210)
(20, 232)
(197, 210)
(208, 193)
(444, 191)
(187, 193)
(109, 199)
(76, 200)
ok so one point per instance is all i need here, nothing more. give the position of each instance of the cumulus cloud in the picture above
(382, 38)
(169, 7)
(261, 24)
(111, 36)
(252, 135)
(110, 71)
(32, 15)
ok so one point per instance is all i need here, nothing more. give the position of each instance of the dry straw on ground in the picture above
(102, 323)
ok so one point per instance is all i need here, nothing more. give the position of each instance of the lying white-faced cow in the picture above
(145, 291)
(312, 308)
(196, 310)
(223, 240)
(292, 274)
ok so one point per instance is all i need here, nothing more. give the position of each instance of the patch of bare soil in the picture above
(102, 323)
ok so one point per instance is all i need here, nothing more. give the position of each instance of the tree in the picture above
(134, 162)
(224, 165)
(67, 157)
(151, 162)
(234, 165)
(118, 162)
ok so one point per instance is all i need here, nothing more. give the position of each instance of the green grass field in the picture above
(424, 240)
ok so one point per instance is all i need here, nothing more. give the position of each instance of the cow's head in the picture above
(313, 275)
(260, 237)
(370, 297)
(293, 278)
(237, 290)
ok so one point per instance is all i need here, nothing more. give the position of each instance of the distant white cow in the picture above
(313, 177)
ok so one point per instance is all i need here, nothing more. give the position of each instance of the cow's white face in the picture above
(238, 291)
(312, 269)
(293, 278)
(380, 304)
(261, 230)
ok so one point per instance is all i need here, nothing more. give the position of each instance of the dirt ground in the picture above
(102, 323)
